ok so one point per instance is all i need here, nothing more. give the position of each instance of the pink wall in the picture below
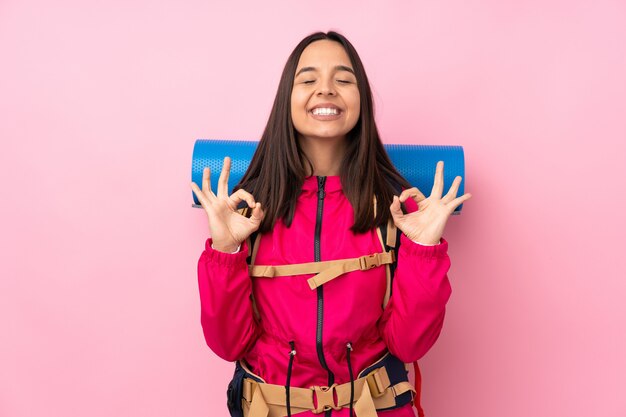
(100, 107)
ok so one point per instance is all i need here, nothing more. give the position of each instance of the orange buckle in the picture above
(376, 384)
(325, 399)
(368, 261)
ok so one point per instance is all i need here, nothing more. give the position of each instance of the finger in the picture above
(395, 208)
(458, 201)
(241, 195)
(412, 192)
(438, 184)
(200, 195)
(222, 183)
(454, 188)
(257, 213)
(206, 182)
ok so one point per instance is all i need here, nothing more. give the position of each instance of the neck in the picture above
(326, 154)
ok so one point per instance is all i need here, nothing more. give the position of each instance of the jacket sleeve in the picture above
(229, 325)
(413, 318)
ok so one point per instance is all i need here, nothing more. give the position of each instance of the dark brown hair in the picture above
(277, 169)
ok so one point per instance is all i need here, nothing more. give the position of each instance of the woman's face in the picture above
(325, 101)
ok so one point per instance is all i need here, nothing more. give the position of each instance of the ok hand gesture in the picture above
(228, 228)
(427, 223)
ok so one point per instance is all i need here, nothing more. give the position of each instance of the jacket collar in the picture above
(333, 183)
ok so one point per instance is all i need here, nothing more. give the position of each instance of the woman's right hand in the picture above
(228, 228)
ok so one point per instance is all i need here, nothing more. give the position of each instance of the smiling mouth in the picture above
(325, 111)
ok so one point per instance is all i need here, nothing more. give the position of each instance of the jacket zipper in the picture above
(320, 290)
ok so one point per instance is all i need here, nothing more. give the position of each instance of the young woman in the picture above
(314, 322)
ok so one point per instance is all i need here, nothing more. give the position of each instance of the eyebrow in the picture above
(338, 68)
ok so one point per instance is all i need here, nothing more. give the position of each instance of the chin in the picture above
(328, 136)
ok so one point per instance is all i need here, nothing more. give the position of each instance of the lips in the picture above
(327, 106)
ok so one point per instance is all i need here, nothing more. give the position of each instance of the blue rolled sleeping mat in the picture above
(417, 163)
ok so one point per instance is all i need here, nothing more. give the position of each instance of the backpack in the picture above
(389, 236)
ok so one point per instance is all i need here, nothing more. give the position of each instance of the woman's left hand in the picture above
(427, 223)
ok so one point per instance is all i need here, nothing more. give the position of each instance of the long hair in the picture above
(277, 169)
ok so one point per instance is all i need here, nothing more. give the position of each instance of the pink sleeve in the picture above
(228, 323)
(413, 318)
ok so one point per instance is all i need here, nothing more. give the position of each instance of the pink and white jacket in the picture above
(320, 322)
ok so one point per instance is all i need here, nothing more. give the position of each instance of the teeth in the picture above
(324, 111)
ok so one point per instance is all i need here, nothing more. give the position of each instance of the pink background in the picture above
(99, 110)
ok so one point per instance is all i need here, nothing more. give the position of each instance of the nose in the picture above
(326, 87)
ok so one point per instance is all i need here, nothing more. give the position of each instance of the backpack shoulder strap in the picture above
(389, 236)
(253, 246)
(390, 239)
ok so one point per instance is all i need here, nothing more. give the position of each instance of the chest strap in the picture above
(372, 392)
(326, 270)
